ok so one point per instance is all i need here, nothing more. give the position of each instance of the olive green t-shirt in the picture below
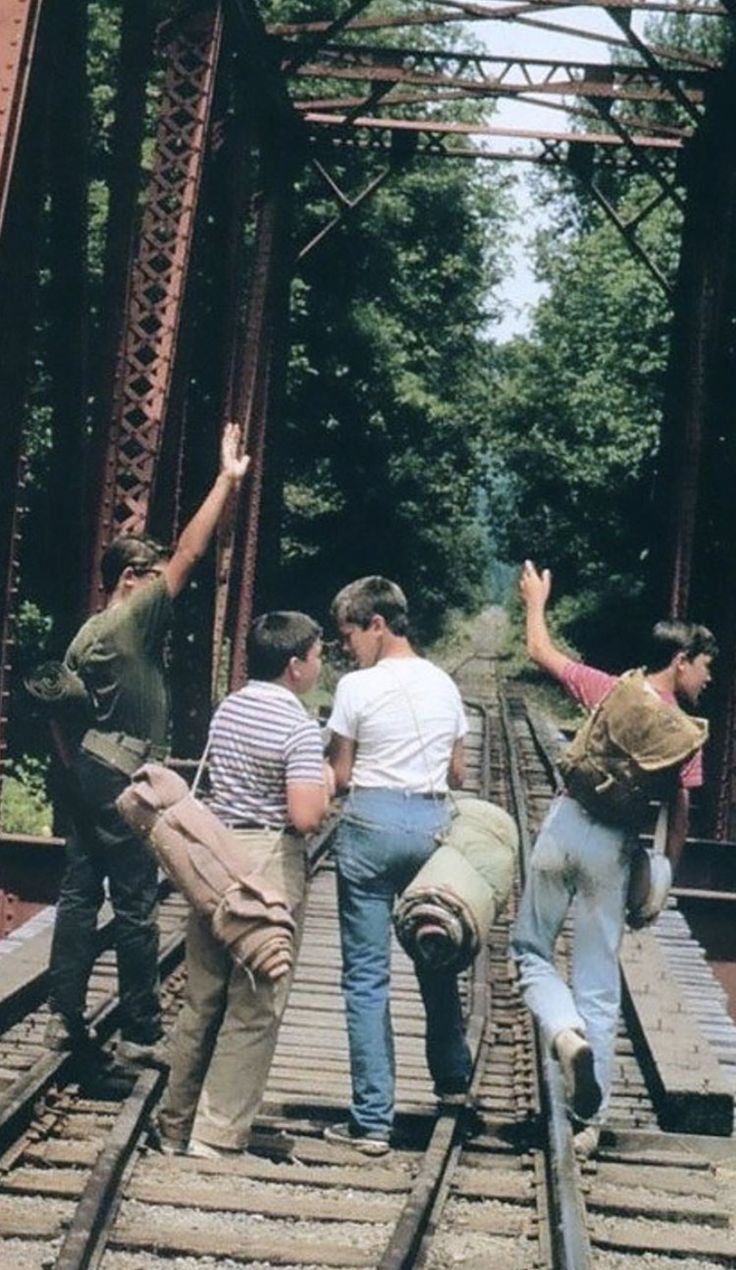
(119, 655)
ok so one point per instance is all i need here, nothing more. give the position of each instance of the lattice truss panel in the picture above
(159, 275)
(631, 106)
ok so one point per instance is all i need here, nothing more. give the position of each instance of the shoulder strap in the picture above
(201, 765)
(660, 829)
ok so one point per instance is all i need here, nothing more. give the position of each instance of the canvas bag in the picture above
(650, 878)
(629, 751)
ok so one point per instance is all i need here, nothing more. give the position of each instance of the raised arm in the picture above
(535, 588)
(195, 538)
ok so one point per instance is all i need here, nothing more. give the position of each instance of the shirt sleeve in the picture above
(150, 611)
(691, 773)
(303, 755)
(585, 684)
(461, 729)
(343, 720)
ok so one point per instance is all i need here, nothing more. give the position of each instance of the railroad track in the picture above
(494, 1183)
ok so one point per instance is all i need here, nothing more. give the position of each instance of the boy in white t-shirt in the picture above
(397, 729)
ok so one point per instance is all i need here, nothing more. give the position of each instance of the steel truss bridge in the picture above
(203, 230)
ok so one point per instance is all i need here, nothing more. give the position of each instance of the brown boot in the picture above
(578, 1073)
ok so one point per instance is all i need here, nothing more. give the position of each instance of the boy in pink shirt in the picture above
(581, 862)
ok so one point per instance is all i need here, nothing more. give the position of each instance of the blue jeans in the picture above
(580, 862)
(383, 839)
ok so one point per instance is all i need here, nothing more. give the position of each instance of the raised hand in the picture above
(533, 585)
(232, 464)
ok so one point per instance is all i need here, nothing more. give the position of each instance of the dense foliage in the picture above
(384, 437)
(575, 407)
(385, 424)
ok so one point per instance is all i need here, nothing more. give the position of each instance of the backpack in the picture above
(628, 753)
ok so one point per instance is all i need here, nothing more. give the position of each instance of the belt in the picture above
(437, 798)
(117, 749)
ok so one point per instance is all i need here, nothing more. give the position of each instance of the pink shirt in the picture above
(588, 686)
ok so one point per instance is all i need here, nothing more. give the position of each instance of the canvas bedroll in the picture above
(443, 917)
(208, 863)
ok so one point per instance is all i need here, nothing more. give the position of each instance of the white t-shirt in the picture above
(405, 715)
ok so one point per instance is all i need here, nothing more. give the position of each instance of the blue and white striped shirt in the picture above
(261, 739)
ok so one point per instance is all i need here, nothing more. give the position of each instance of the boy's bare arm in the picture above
(535, 588)
(195, 538)
(457, 769)
(677, 827)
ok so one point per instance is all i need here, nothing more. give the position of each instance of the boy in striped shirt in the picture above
(270, 784)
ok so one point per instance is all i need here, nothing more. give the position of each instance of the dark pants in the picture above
(102, 846)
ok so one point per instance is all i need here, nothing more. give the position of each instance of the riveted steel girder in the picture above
(18, 28)
(158, 280)
(694, 549)
(262, 353)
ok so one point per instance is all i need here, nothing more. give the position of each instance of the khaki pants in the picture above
(226, 1033)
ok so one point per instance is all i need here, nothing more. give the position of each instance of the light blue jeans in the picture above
(580, 862)
(383, 839)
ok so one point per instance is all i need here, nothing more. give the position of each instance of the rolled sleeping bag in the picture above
(54, 685)
(444, 915)
(208, 863)
(488, 838)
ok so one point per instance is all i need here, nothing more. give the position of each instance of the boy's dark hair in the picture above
(673, 636)
(372, 596)
(274, 638)
(138, 551)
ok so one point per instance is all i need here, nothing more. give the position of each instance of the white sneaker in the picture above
(586, 1141)
(207, 1150)
(578, 1072)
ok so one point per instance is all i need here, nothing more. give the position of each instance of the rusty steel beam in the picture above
(338, 24)
(666, 77)
(485, 13)
(135, 56)
(157, 283)
(357, 105)
(19, 256)
(263, 351)
(487, 75)
(438, 130)
(693, 539)
(587, 88)
(18, 30)
(60, 589)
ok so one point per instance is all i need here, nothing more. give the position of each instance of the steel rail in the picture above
(443, 1149)
(97, 1208)
(17, 1103)
(571, 1242)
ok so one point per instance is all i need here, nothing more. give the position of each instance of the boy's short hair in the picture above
(369, 597)
(673, 636)
(274, 638)
(136, 551)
